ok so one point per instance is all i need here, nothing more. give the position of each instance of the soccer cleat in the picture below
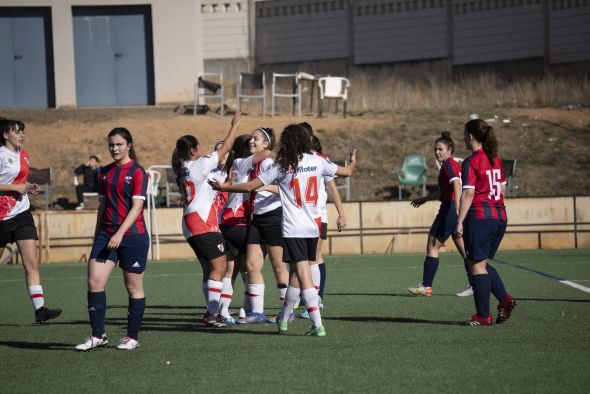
(316, 332)
(505, 308)
(92, 343)
(242, 314)
(43, 314)
(214, 320)
(254, 318)
(479, 321)
(421, 290)
(282, 326)
(128, 343)
(304, 314)
(229, 320)
(468, 292)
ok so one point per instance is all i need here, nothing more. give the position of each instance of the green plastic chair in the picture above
(413, 172)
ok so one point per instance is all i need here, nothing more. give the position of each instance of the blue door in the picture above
(26, 60)
(113, 53)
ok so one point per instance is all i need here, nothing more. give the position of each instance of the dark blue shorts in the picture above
(482, 237)
(131, 254)
(446, 221)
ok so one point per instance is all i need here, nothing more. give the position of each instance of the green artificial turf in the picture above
(379, 336)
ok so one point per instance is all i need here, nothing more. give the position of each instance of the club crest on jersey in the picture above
(128, 179)
(9, 161)
(221, 248)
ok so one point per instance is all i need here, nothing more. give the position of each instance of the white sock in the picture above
(213, 296)
(282, 292)
(256, 295)
(227, 292)
(310, 297)
(316, 276)
(36, 294)
(291, 298)
(205, 292)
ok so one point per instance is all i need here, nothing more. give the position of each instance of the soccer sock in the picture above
(97, 305)
(498, 288)
(282, 288)
(255, 293)
(36, 294)
(291, 298)
(310, 297)
(205, 292)
(213, 296)
(468, 271)
(481, 291)
(322, 267)
(430, 267)
(316, 276)
(227, 293)
(135, 316)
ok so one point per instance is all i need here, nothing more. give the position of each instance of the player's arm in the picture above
(99, 213)
(236, 188)
(335, 196)
(230, 137)
(269, 188)
(465, 204)
(457, 194)
(260, 156)
(349, 169)
(137, 206)
(15, 187)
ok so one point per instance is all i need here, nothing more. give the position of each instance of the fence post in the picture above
(575, 225)
(361, 227)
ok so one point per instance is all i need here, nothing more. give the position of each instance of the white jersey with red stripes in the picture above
(238, 208)
(263, 201)
(14, 169)
(199, 199)
(220, 197)
(299, 193)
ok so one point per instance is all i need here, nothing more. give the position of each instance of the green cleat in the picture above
(316, 332)
(282, 326)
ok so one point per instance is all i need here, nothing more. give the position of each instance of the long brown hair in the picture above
(180, 154)
(486, 135)
(294, 143)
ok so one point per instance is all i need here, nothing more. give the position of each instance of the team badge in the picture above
(128, 179)
(9, 161)
(221, 248)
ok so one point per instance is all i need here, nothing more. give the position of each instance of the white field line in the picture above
(575, 285)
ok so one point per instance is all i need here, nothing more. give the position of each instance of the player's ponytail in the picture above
(486, 135)
(239, 150)
(294, 143)
(123, 132)
(181, 154)
(445, 138)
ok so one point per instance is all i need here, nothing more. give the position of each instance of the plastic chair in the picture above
(296, 91)
(413, 172)
(336, 88)
(171, 188)
(42, 177)
(251, 83)
(209, 90)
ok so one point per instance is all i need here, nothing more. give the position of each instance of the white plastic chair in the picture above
(295, 94)
(336, 88)
(208, 90)
(251, 82)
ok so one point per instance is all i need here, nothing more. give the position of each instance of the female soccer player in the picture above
(16, 221)
(297, 171)
(120, 236)
(264, 231)
(200, 224)
(482, 220)
(445, 224)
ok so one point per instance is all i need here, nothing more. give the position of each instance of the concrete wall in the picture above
(176, 27)
(225, 29)
(386, 227)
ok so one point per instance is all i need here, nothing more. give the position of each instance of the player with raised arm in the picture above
(16, 221)
(120, 237)
(482, 220)
(297, 172)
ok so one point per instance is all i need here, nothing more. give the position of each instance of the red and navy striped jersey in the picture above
(450, 171)
(486, 180)
(119, 185)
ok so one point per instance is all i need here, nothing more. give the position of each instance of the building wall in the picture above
(569, 31)
(176, 28)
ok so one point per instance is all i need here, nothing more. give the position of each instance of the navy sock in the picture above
(498, 288)
(97, 305)
(135, 316)
(430, 267)
(322, 279)
(468, 271)
(481, 289)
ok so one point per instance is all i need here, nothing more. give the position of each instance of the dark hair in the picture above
(181, 153)
(7, 125)
(295, 142)
(316, 144)
(269, 134)
(486, 135)
(239, 150)
(307, 128)
(94, 157)
(445, 138)
(123, 132)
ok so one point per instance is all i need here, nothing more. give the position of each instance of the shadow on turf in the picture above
(36, 346)
(386, 295)
(365, 319)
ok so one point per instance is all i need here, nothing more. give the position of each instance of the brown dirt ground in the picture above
(552, 145)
